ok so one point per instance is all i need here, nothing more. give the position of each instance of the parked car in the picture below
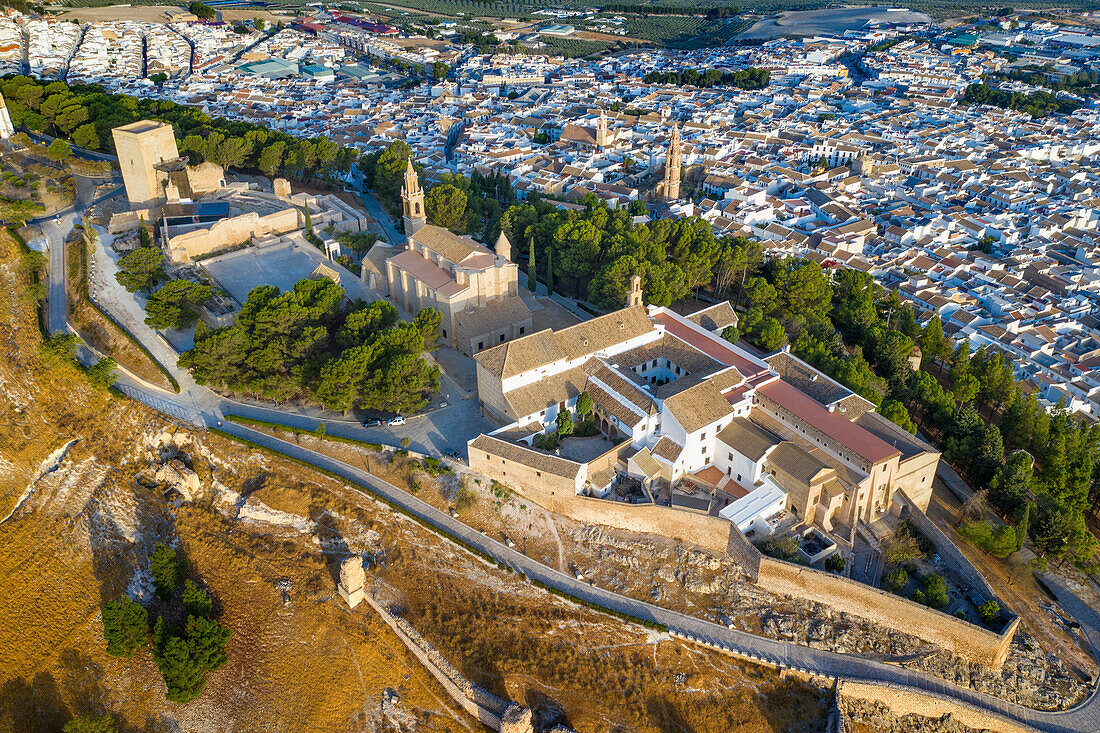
(452, 453)
(372, 423)
(397, 420)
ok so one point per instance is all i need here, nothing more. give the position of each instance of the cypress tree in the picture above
(549, 271)
(532, 277)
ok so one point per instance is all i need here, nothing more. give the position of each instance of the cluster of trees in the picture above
(1036, 104)
(311, 342)
(176, 303)
(972, 407)
(60, 348)
(567, 425)
(674, 258)
(1084, 83)
(202, 11)
(85, 115)
(750, 78)
(185, 656)
(463, 205)
(468, 205)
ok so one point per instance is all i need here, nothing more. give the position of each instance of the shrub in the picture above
(465, 500)
(585, 429)
(546, 441)
(935, 591)
(90, 724)
(999, 542)
(125, 627)
(989, 611)
(835, 563)
(961, 613)
(896, 580)
(435, 467)
(784, 548)
(168, 569)
(918, 597)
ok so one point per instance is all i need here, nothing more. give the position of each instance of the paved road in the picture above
(1085, 717)
(57, 230)
(375, 209)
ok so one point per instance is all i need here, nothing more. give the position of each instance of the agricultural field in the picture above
(575, 48)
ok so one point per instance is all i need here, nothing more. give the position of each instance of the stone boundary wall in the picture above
(487, 708)
(951, 554)
(720, 536)
(901, 614)
(928, 704)
(710, 533)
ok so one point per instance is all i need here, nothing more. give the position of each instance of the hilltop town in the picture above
(781, 348)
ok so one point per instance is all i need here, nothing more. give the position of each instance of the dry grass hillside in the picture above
(81, 508)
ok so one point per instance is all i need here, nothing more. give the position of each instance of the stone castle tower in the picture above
(670, 187)
(412, 202)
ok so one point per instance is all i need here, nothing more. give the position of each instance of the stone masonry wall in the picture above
(843, 594)
(903, 702)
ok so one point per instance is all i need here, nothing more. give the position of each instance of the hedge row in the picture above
(258, 423)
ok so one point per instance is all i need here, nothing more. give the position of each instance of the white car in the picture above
(397, 420)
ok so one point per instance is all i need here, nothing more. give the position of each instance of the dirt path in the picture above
(1015, 583)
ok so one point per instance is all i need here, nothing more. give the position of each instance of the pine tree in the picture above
(549, 272)
(532, 276)
(309, 223)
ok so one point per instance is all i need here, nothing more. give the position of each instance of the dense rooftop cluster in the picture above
(863, 149)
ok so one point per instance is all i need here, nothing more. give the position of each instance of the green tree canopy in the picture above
(175, 304)
(125, 627)
(141, 269)
(446, 207)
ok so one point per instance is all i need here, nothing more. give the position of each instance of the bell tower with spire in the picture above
(412, 202)
(670, 187)
(603, 136)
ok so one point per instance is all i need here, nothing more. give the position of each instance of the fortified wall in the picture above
(551, 485)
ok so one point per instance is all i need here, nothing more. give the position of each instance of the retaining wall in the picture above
(884, 608)
(907, 702)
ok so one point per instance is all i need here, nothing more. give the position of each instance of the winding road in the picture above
(200, 406)
(1085, 718)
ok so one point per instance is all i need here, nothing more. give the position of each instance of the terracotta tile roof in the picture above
(644, 403)
(748, 438)
(716, 317)
(448, 244)
(427, 273)
(711, 348)
(667, 449)
(546, 347)
(527, 456)
(698, 407)
(532, 398)
(843, 431)
(797, 462)
(623, 411)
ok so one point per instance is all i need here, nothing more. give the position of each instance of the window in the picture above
(444, 332)
(730, 457)
(502, 338)
(480, 345)
(738, 477)
(521, 330)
